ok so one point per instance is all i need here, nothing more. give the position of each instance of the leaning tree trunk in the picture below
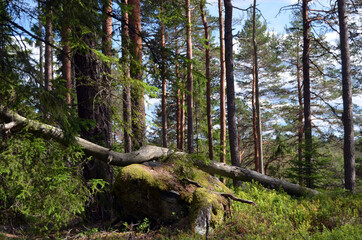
(146, 153)
(348, 148)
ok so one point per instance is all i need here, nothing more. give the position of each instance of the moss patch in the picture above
(203, 198)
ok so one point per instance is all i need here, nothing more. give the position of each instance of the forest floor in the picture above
(329, 215)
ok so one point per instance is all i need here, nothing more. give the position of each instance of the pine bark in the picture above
(222, 86)
(107, 71)
(257, 95)
(92, 109)
(164, 82)
(348, 148)
(137, 92)
(255, 131)
(208, 79)
(126, 95)
(190, 79)
(306, 95)
(300, 118)
(66, 60)
(41, 72)
(180, 102)
(48, 48)
(233, 135)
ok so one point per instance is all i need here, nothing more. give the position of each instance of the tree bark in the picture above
(306, 95)
(92, 109)
(233, 135)
(257, 95)
(148, 153)
(190, 84)
(348, 148)
(208, 79)
(41, 72)
(222, 86)
(107, 82)
(48, 48)
(66, 60)
(126, 95)
(300, 118)
(164, 83)
(137, 92)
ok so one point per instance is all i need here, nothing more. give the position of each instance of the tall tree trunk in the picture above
(348, 148)
(300, 118)
(306, 95)
(41, 72)
(137, 92)
(257, 95)
(179, 100)
(48, 48)
(91, 109)
(66, 60)
(208, 79)
(190, 80)
(255, 131)
(183, 119)
(163, 76)
(222, 86)
(127, 111)
(107, 83)
(233, 135)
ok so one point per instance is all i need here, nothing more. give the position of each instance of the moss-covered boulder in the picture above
(159, 192)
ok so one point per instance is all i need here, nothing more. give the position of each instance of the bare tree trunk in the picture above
(208, 83)
(222, 86)
(255, 131)
(66, 60)
(190, 79)
(300, 118)
(179, 100)
(48, 48)
(107, 83)
(164, 83)
(257, 96)
(348, 149)
(91, 109)
(183, 120)
(41, 72)
(306, 95)
(137, 92)
(233, 134)
(127, 111)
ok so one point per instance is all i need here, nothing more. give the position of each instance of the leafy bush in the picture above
(42, 181)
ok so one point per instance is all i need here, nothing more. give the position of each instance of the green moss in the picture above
(204, 198)
(141, 173)
(209, 182)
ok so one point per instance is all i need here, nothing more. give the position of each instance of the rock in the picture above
(159, 193)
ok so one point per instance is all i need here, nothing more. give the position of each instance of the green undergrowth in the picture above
(332, 215)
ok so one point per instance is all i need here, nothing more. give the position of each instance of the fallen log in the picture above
(147, 153)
